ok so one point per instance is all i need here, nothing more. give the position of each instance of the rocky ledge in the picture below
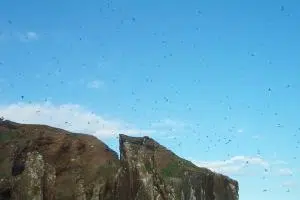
(39, 162)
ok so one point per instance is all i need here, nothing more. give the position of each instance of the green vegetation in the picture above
(107, 170)
(172, 170)
(189, 165)
(36, 190)
(75, 134)
(148, 165)
(6, 136)
(177, 167)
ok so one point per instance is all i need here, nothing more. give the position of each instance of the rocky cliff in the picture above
(44, 163)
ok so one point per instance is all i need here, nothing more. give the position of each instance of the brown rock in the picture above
(42, 162)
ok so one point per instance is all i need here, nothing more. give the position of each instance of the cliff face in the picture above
(40, 162)
(150, 171)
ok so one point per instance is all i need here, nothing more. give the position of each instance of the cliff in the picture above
(41, 162)
(150, 171)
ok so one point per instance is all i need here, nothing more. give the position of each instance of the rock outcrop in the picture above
(44, 163)
(150, 171)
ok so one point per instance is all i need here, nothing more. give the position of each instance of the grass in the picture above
(148, 166)
(6, 136)
(177, 167)
(172, 170)
(75, 134)
(107, 170)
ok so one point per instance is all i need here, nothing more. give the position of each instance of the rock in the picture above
(29, 184)
(69, 164)
(49, 182)
(42, 162)
(152, 171)
(5, 189)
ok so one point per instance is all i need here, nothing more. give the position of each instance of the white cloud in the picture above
(28, 36)
(256, 137)
(240, 130)
(32, 36)
(285, 172)
(71, 117)
(21, 36)
(279, 162)
(168, 124)
(95, 84)
(234, 165)
(289, 184)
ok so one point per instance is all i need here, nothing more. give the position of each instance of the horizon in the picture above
(215, 82)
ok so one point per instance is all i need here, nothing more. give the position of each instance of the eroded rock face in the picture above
(140, 177)
(49, 182)
(152, 171)
(56, 163)
(29, 184)
(44, 163)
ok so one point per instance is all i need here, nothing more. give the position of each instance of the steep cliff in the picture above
(41, 162)
(44, 163)
(150, 171)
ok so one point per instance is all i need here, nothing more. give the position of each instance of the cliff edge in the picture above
(153, 172)
(40, 162)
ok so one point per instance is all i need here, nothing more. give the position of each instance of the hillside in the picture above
(41, 162)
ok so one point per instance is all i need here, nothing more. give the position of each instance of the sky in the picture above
(217, 82)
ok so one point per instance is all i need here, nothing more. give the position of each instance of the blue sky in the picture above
(215, 81)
